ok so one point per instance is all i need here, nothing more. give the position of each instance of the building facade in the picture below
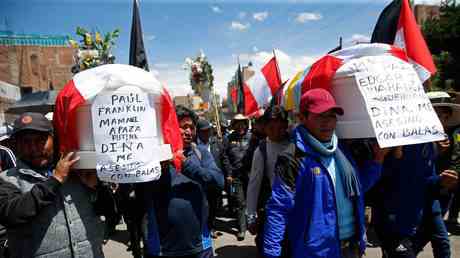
(35, 62)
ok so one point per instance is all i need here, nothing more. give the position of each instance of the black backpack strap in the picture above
(288, 165)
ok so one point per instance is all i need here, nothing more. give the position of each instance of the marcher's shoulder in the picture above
(288, 165)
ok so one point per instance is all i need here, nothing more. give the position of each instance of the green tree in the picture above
(443, 38)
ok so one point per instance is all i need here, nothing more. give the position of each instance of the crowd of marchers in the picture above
(288, 180)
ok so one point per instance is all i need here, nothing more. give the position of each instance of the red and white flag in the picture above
(397, 25)
(321, 73)
(87, 84)
(261, 87)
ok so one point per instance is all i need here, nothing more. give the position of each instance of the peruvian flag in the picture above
(321, 73)
(397, 25)
(87, 84)
(262, 86)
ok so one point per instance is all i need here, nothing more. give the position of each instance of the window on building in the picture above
(25, 90)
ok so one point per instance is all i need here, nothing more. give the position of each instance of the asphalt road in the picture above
(226, 245)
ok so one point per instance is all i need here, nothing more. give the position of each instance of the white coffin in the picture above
(356, 123)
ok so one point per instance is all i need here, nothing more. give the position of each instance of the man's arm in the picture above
(277, 210)
(226, 162)
(17, 207)
(205, 170)
(280, 203)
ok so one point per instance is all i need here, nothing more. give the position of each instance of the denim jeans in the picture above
(433, 230)
(203, 254)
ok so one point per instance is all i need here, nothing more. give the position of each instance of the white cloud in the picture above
(177, 81)
(255, 49)
(429, 2)
(150, 37)
(288, 64)
(358, 38)
(305, 17)
(261, 16)
(216, 9)
(242, 15)
(239, 26)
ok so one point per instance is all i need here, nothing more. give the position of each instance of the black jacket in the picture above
(234, 159)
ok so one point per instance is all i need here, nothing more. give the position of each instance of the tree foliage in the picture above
(443, 38)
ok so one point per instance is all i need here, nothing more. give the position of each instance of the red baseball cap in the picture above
(318, 101)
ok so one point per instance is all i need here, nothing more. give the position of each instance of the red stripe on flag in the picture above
(321, 73)
(399, 53)
(416, 47)
(250, 103)
(170, 126)
(234, 95)
(270, 72)
(65, 117)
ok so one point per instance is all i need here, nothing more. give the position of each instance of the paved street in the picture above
(226, 246)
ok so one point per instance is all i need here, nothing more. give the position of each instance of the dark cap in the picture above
(32, 121)
(203, 124)
(318, 101)
(274, 112)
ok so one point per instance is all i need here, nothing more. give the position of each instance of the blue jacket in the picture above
(177, 206)
(308, 211)
(408, 185)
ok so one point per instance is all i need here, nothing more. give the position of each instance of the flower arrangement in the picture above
(93, 49)
(201, 78)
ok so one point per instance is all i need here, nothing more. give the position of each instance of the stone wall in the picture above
(42, 66)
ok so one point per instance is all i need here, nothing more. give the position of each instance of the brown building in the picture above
(35, 62)
(424, 12)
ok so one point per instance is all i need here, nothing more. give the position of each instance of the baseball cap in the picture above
(203, 124)
(318, 101)
(32, 121)
(275, 112)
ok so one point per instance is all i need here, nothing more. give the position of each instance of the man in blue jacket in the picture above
(177, 206)
(317, 196)
(408, 190)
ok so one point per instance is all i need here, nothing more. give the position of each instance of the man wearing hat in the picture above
(317, 196)
(432, 228)
(448, 150)
(236, 168)
(407, 213)
(263, 168)
(48, 211)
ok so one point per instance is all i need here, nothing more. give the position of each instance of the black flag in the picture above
(387, 24)
(137, 55)
(240, 87)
